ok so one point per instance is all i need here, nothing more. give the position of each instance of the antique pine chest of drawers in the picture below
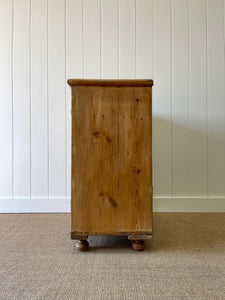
(111, 180)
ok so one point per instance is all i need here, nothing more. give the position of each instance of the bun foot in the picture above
(138, 245)
(82, 245)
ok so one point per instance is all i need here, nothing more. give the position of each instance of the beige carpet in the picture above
(184, 260)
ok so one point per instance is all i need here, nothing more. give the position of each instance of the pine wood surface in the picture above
(111, 187)
(107, 82)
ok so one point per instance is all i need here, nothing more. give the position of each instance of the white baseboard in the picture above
(34, 204)
(62, 204)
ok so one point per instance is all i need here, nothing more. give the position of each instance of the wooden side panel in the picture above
(111, 160)
(135, 152)
(143, 166)
(127, 172)
(94, 159)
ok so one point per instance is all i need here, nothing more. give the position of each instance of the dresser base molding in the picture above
(140, 237)
(137, 239)
(76, 235)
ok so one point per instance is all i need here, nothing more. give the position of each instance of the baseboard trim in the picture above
(62, 204)
(35, 205)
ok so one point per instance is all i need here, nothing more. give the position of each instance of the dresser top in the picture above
(111, 82)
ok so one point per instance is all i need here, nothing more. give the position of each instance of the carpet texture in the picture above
(184, 260)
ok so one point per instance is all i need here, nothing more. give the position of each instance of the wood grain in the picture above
(107, 82)
(143, 139)
(94, 157)
(111, 160)
(127, 159)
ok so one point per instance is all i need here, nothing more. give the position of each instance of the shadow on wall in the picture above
(188, 160)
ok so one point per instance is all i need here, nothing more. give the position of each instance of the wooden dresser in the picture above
(111, 184)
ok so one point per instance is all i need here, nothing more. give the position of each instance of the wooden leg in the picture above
(138, 245)
(82, 245)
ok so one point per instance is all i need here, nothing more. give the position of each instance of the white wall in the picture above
(178, 43)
